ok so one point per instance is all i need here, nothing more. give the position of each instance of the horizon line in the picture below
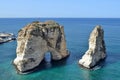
(59, 17)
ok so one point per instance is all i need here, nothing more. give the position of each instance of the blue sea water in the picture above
(77, 31)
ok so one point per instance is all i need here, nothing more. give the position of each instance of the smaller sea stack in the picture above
(96, 51)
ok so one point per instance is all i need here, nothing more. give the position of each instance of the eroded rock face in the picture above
(35, 40)
(96, 51)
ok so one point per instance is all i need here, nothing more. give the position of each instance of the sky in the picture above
(60, 8)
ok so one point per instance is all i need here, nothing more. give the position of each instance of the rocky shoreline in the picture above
(6, 37)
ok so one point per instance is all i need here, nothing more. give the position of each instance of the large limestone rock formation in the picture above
(35, 40)
(96, 51)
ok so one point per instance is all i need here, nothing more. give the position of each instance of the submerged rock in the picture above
(96, 51)
(35, 40)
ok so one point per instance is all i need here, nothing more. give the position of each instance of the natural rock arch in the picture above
(35, 40)
(47, 57)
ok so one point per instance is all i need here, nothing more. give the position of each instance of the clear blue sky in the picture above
(60, 8)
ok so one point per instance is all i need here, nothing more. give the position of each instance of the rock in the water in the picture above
(35, 40)
(96, 51)
(6, 37)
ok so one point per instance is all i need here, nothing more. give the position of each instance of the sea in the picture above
(77, 31)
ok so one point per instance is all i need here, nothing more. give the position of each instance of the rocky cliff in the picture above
(35, 40)
(96, 51)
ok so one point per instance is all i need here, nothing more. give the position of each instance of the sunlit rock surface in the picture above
(36, 39)
(96, 51)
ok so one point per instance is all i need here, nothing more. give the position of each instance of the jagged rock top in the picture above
(97, 32)
(37, 28)
(47, 24)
